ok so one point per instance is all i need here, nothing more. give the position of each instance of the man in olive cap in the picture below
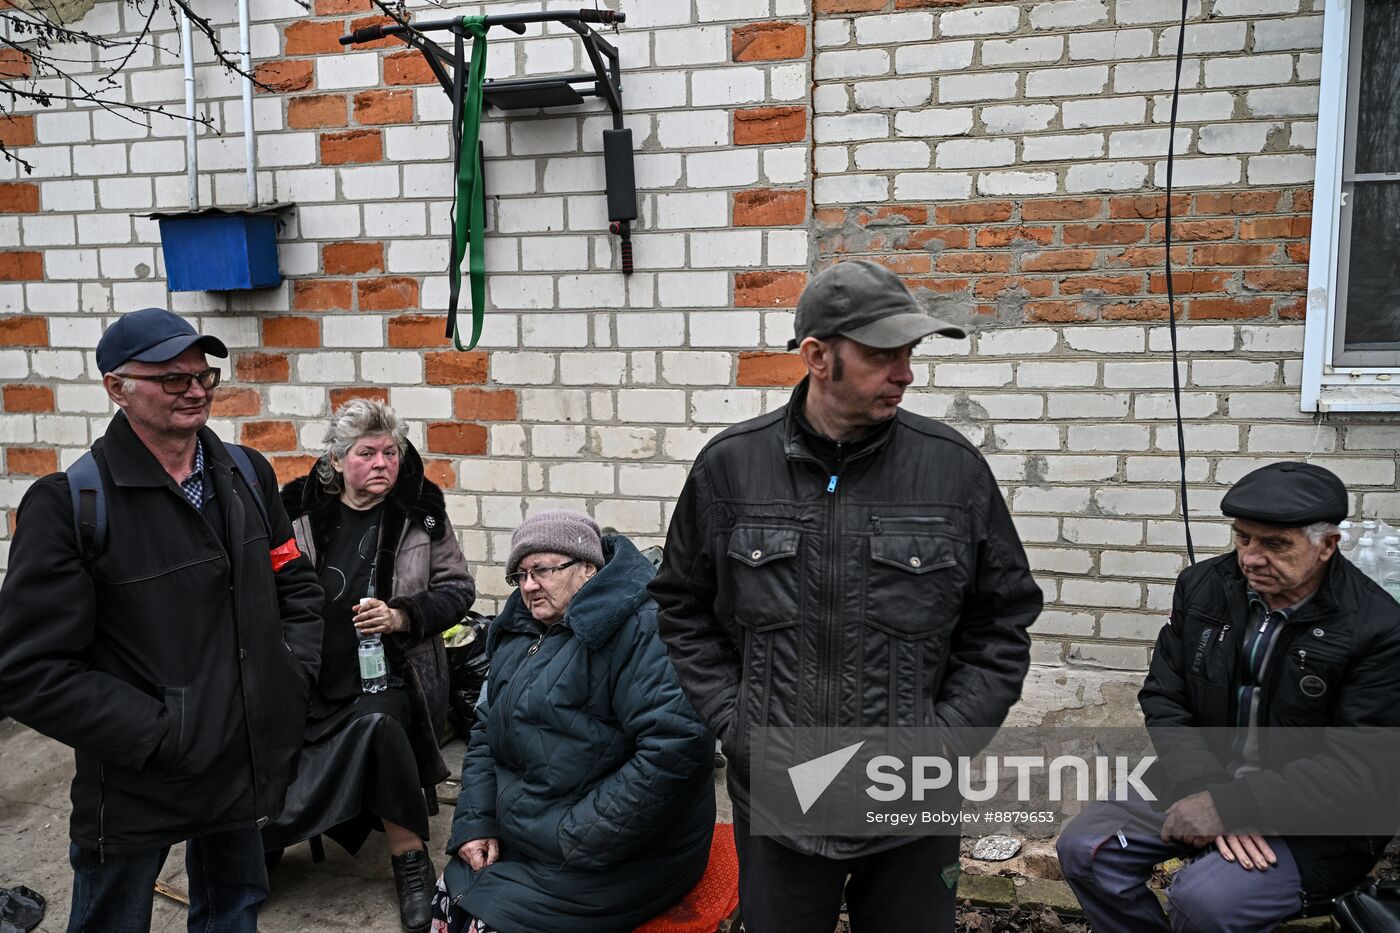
(1284, 631)
(844, 562)
(158, 618)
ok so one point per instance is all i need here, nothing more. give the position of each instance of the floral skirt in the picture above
(449, 919)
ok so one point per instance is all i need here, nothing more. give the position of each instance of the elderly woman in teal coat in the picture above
(587, 801)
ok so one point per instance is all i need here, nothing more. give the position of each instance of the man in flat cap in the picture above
(843, 562)
(1284, 632)
(158, 618)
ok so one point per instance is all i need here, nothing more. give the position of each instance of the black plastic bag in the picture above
(21, 909)
(467, 667)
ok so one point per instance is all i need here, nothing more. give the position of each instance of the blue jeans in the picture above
(227, 877)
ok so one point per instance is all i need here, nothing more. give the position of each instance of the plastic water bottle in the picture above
(1365, 557)
(1390, 571)
(374, 668)
(1348, 540)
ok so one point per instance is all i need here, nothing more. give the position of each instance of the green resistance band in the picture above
(470, 219)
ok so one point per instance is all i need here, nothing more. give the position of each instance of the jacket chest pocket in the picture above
(1312, 676)
(912, 584)
(765, 576)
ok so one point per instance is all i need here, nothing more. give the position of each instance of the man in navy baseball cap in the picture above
(151, 335)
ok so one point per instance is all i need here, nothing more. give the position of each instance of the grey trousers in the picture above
(1207, 895)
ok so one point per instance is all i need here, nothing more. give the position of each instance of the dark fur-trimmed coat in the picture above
(421, 571)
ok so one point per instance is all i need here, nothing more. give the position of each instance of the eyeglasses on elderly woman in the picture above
(540, 575)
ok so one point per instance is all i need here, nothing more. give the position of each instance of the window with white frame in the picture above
(1353, 323)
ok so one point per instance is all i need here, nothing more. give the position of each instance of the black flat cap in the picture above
(1288, 493)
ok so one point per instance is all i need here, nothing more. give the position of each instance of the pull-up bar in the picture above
(468, 96)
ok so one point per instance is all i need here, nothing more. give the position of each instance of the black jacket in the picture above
(589, 765)
(1347, 634)
(894, 592)
(178, 664)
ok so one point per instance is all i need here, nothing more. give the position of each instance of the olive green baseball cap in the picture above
(867, 303)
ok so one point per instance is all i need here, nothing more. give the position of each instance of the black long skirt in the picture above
(357, 769)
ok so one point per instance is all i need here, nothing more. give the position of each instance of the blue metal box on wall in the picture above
(220, 249)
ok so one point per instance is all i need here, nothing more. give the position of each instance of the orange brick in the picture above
(1298, 252)
(768, 289)
(1292, 309)
(262, 367)
(974, 212)
(1303, 199)
(307, 37)
(377, 107)
(1146, 256)
(15, 63)
(1277, 280)
(1238, 202)
(1189, 282)
(23, 330)
(300, 332)
(893, 214)
(269, 435)
(1062, 209)
(829, 217)
(31, 461)
(21, 266)
(1235, 254)
(485, 405)
(1102, 234)
(388, 42)
(455, 367)
(948, 237)
(768, 42)
(442, 472)
(1059, 260)
(1136, 311)
(906, 264)
(451, 437)
(341, 7)
(974, 262)
(407, 68)
(352, 258)
(316, 110)
(418, 330)
(321, 295)
(1190, 231)
(1058, 312)
(1224, 309)
(16, 130)
(1266, 228)
(352, 146)
(341, 396)
(1146, 207)
(388, 294)
(759, 126)
(848, 6)
(283, 76)
(1006, 236)
(921, 4)
(939, 286)
(765, 207)
(236, 403)
(19, 198)
(770, 369)
(290, 468)
(1101, 285)
(990, 286)
(21, 397)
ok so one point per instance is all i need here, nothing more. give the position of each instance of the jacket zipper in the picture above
(1302, 659)
(833, 543)
(1224, 630)
(102, 813)
(906, 519)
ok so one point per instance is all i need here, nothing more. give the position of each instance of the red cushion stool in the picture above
(713, 899)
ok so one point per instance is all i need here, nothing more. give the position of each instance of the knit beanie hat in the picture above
(557, 531)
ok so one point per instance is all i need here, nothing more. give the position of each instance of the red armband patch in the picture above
(284, 554)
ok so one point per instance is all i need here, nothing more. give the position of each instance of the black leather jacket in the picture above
(1348, 635)
(890, 590)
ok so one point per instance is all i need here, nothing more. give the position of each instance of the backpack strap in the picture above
(250, 476)
(89, 507)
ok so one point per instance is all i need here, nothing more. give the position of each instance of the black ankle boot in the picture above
(415, 879)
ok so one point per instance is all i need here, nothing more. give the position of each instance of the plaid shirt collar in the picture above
(193, 486)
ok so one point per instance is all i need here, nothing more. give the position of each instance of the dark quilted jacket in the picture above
(586, 760)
